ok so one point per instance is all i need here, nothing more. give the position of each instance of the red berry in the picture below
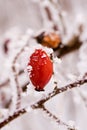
(42, 69)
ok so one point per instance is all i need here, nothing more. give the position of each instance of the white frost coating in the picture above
(29, 51)
(28, 109)
(47, 50)
(16, 44)
(3, 114)
(26, 48)
(17, 66)
(14, 47)
(29, 32)
(22, 63)
(14, 94)
(71, 77)
(43, 56)
(31, 92)
(82, 64)
(29, 68)
(23, 94)
(77, 99)
(30, 89)
(13, 33)
(80, 19)
(57, 60)
(39, 95)
(71, 123)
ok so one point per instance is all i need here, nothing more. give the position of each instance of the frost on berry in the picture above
(42, 69)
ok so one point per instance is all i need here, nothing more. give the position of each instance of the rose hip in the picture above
(41, 69)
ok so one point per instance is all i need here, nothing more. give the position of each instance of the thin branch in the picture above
(62, 50)
(24, 87)
(57, 120)
(72, 45)
(50, 17)
(21, 72)
(59, 11)
(6, 82)
(83, 98)
(19, 90)
(11, 118)
(57, 91)
(40, 104)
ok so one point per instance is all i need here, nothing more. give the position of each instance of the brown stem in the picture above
(7, 81)
(17, 86)
(48, 13)
(56, 119)
(4, 83)
(19, 90)
(62, 50)
(57, 6)
(14, 116)
(60, 90)
(40, 104)
(24, 87)
(50, 18)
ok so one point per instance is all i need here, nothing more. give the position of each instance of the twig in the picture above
(50, 17)
(57, 120)
(5, 83)
(24, 87)
(59, 11)
(21, 72)
(16, 75)
(60, 90)
(83, 98)
(73, 44)
(40, 104)
(14, 116)
(62, 50)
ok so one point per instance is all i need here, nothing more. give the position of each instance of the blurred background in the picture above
(26, 14)
(23, 14)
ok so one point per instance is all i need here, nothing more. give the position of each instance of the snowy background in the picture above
(16, 17)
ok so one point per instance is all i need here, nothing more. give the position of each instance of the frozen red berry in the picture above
(41, 69)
